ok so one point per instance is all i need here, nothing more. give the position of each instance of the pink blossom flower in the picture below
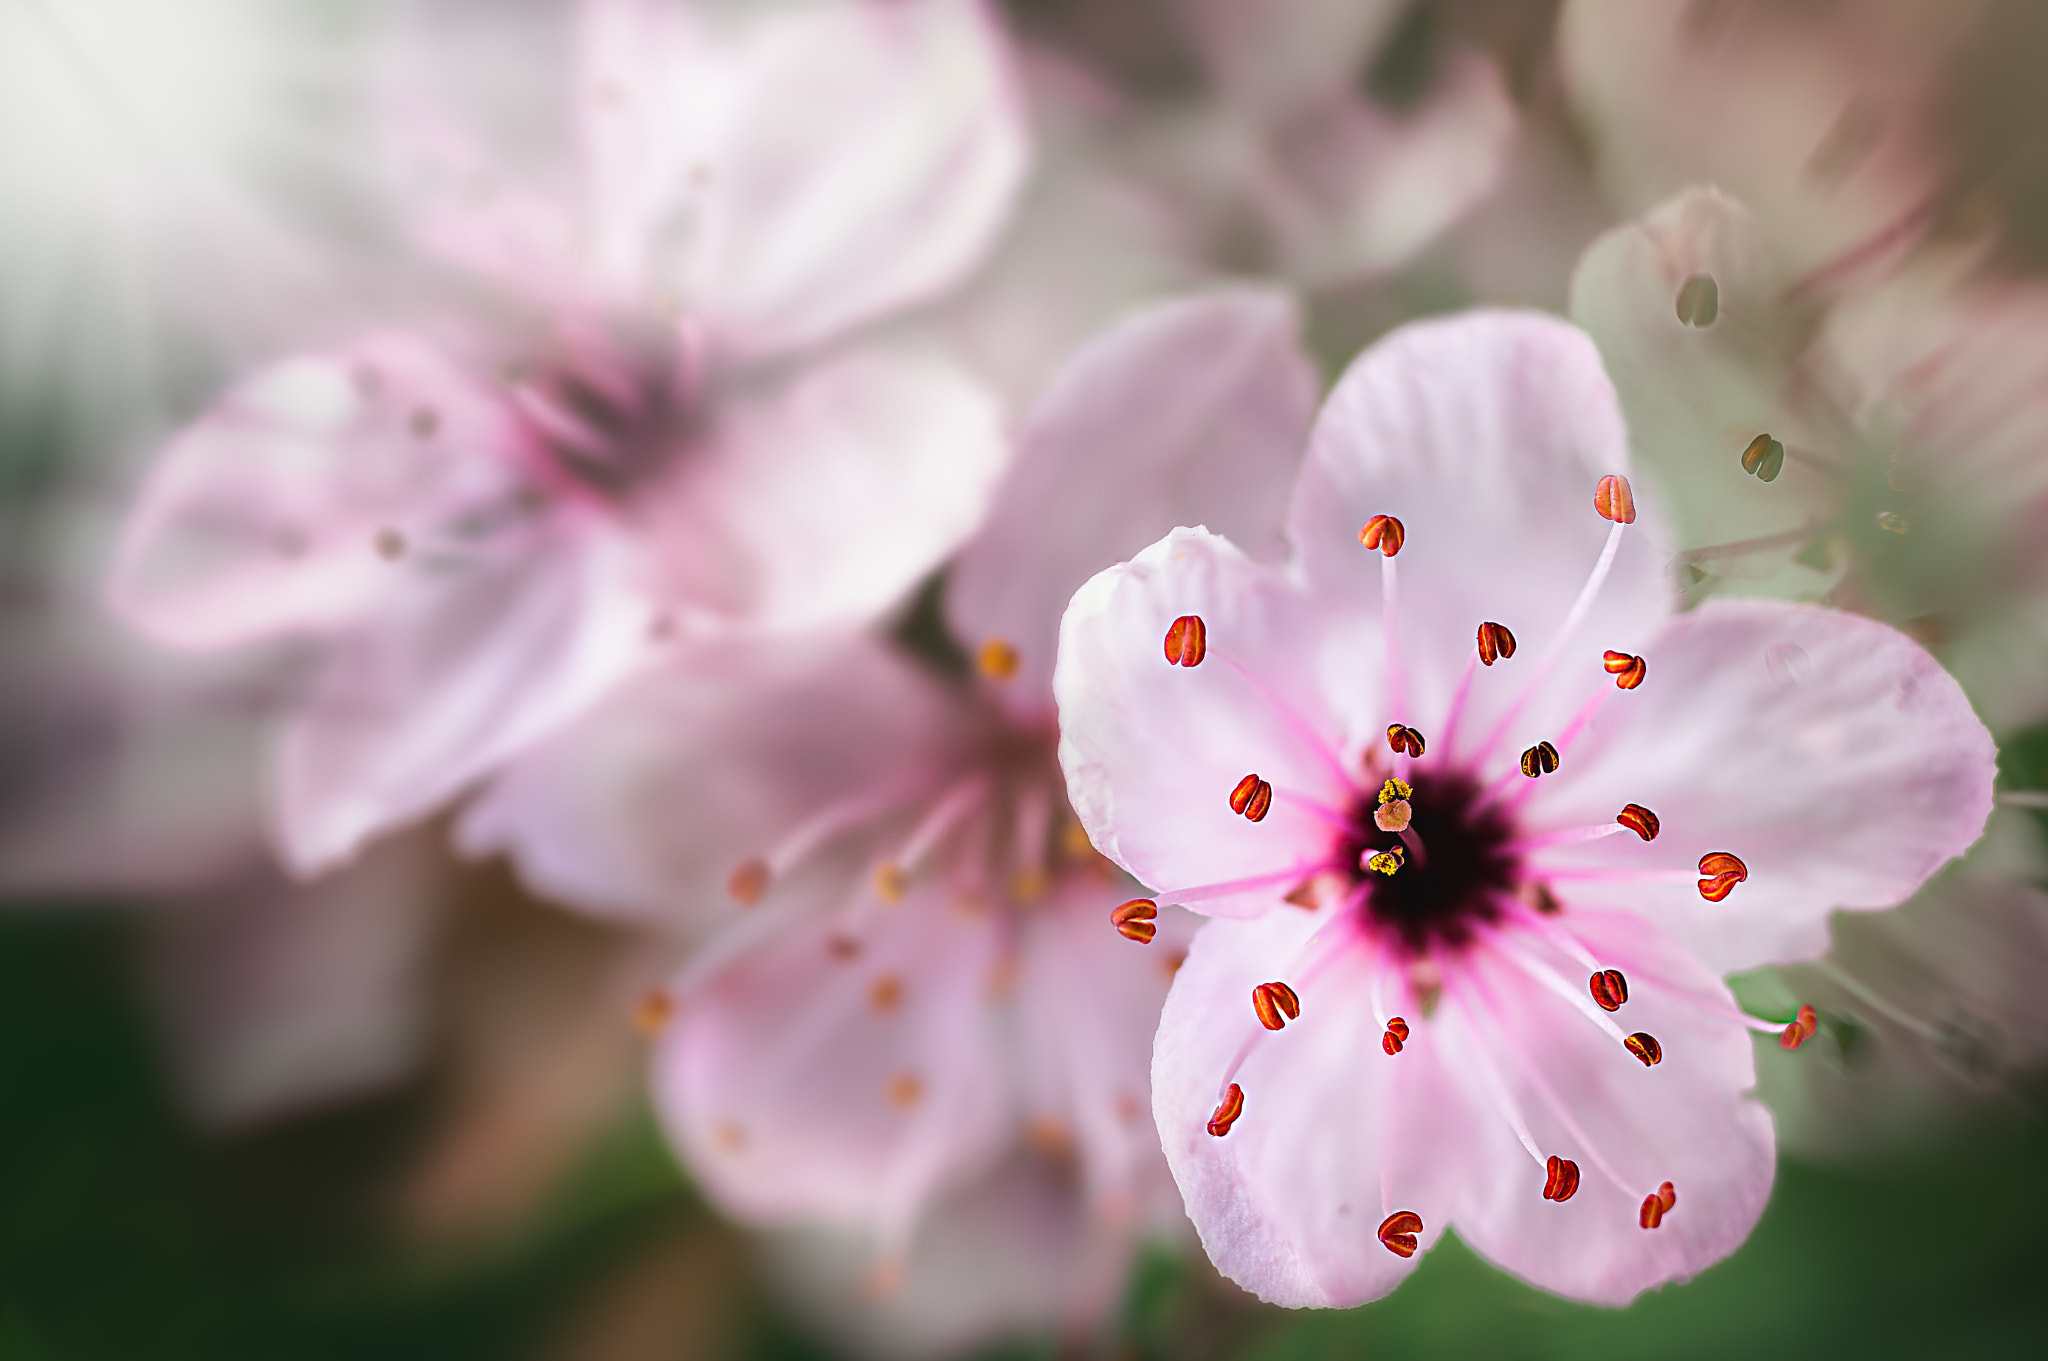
(910, 1002)
(1450, 985)
(486, 531)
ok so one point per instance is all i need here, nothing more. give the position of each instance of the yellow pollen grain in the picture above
(997, 659)
(1396, 789)
(1384, 862)
(891, 882)
(905, 1090)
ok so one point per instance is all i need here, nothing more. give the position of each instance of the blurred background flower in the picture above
(401, 1106)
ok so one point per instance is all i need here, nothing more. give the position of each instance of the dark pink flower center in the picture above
(1457, 862)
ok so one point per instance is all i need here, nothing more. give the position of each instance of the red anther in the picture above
(1539, 760)
(1252, 797)
(1628, 671)
(1495, 642)
(747, 883)
(1275, 1004)
(1657, 1204)
(1720, 872)
(1404, 739)
(1227, 1110)
(1398, 1230)
(1134, 920)
(1560, 1179)
(1398, 1028)
(1383, 532)
(1391, 1043)
(1802, 1029)
(1187, 641)
(1609, 989)
(1764, 459)
(1645, 1047)
(1639, 820)
(1615, 499)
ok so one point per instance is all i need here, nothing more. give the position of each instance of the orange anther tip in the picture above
(1252, 798)
(1187, 641)
(1391, 1043)
(1134, 920)
(1615, 499)
(997, 659)
(1805, 1023)
(1639, 820)
(1720, 872)
(1495, 643)
(1398, 1028)
(748, 882)
(1398, 1230)
(1560, 1179)
(1764, 459)
(1405, 740)
(656, 1009)
(1652, 1213)
(1275, 1004)
(1609, 989)
(1539, 760)
(1645, 1047)
(1628, 671)
(1227, 1110)
(1383, 532)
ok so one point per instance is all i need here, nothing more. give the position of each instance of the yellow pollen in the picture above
(1384, 862)
(1396, 789)
(891, 882)
(997, 659)
(1893, 523)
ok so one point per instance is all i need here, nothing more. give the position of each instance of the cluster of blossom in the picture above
(864, 523)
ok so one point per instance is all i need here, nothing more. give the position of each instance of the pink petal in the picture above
(819, 504)
(810, 1084)
(1189, 412)
(1688, 1120)
(1152, 751)
(809, 172)
(265, 517)
(1335, 1134)
(461, 674)
(1828, 751)
(1484, 434)
(645, 807)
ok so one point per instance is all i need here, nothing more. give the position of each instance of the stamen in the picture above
(1539, 760)
(1134, 920)
(1252, 798)
(1656, 1205)
(1615, 500)
(1645, 1047)
(1764, 459)
(1609, 989)
(1495, 642)
(1404, 740)
(749, 881)
(998, 660)
(1396, 1036)
(891, 882)
(1639, 820)
(657, 1008)
(1275, 1004)
(1721, 871)
(885, 994)
(1628, 671)
(1187, 641)
(1891, 522)
(1398, 1230)
(1383, 532)
(1382, 862)
(1227, 1111)
(1802, 1029)
(1560, 1179)
(905, 1090)
(1394, 789)
(1699, 300)
(390, 544)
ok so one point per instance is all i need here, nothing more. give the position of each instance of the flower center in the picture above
(1456, 862)
(613, 416)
